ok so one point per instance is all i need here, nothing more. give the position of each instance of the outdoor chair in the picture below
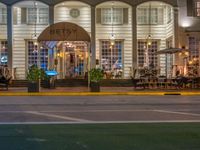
(145, 81)
(4, 82)
(162, 82)
(136, 83)
(182, 82)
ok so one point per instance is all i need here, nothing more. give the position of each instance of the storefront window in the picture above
(152, 56)
(111, 57)
(194, 45)
(33, 55)
(197, 7)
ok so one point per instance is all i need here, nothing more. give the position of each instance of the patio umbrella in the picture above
(170, 51)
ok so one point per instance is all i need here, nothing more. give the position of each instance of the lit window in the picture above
(3, 52)
(3, 15)
(111, 55)
(194, 47)
(112, 15)
(33, 56)
(152, 49)
(197, 5)
(38, 15)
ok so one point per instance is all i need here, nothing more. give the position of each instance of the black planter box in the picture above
(94, 87)
(33, 87)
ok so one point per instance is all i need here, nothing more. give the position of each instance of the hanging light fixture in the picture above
(149, 36)
(112, 37)
(148, 40)
(34, 35)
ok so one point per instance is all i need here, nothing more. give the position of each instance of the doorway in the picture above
(72, 59)
(68, 49)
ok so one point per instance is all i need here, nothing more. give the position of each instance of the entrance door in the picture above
(73, 59)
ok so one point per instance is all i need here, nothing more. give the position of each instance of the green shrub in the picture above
(96, 75)
(34, 74)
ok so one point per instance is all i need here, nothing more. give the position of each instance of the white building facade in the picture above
(119, 34)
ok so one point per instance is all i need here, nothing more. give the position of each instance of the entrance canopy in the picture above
(64, 31)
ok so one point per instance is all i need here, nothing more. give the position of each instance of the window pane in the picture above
(32, 15)
(33, 56)
(154, 15)
(142, 16)
(111, 56)
(152, 49)
(117, 16)
(43, 15)
(112, 15)
(3, 15)
(106, 16)
(197, 9)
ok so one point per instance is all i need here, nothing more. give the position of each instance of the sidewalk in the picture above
(84, 91)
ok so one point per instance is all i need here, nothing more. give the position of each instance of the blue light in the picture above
(51, 73)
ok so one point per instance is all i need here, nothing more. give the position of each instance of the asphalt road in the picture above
(99, 109)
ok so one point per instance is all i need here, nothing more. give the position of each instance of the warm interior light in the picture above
(187, 53)
(190, 62)
(35, 43)
(112, 43)
(149, 42)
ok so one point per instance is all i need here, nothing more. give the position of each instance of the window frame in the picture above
(152, 53)
(196, 8)
(146, 21)
(112, 22)
(122, 53)
(42, 53)
(3, 12)
(38, 15)
(169, 14)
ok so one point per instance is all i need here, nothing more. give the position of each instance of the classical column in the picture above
(176, 34)
(176, 27)
(134, 36)
(10, 35)
(93, 37)
(51, 14)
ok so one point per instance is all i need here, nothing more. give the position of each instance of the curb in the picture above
(101, 94)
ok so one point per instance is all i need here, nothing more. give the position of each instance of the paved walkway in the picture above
(103, 89)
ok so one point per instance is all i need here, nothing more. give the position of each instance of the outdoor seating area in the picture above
(5, 77)
(150, 79)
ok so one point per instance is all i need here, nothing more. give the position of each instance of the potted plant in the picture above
(96, 75)
(33, 76)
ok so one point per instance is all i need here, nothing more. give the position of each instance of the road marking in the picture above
(57, 116)
(179, 113)
(101, 122)
(80, 111)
